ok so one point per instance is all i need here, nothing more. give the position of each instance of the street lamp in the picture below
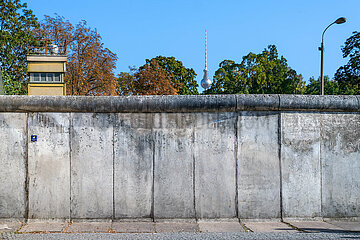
(321, 48)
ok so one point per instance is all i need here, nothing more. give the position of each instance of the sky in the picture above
(137, 30)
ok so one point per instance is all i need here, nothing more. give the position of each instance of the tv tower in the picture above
(206, 82)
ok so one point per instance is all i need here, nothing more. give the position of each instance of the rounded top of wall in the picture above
(178, 103)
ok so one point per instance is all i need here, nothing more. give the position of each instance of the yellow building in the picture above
(47, 74)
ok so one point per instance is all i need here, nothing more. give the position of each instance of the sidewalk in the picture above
(172, 227)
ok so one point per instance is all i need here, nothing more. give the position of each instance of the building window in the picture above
(43, 77)
(46, 77)
(57, 77)
(36, 77)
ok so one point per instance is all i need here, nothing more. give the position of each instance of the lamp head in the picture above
(340, 20)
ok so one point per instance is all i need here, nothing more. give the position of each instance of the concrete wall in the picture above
(13, 166)
(133, 165)
(160, 157)
(215, 163)
(49, 165)
(258, 165)
(300, 162)
(340, 162)
(92, 165)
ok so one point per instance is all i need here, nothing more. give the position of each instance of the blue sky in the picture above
(139, 30)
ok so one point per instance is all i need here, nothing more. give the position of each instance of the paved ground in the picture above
(181, 230)
(205, 236)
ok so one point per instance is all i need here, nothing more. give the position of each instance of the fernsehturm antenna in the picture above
(206, 82)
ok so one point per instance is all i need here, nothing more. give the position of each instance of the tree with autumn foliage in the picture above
(90, 66)
(183, 78)
(170, 77)
(147, 80)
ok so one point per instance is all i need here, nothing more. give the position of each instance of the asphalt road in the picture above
(202, 236)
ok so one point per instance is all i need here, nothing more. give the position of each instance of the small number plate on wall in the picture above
(34, 138)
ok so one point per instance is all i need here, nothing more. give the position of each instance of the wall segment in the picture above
(160, 157)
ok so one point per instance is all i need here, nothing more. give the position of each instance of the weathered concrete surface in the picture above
(326, 103)
(174, 166)
(89, 227)
(340, 154)
(113, 104)
(133, 227)
(174, 156)
(92, 165)
(176, 104)
(220, 227)
(257, 102)
(49, 165)
(176, 227)
(258, 165)
(51, 227)
(315, 226)
(300, 163)
(13, 166)
(347, 226)
(9, 226)
(215, 176)
(173, 227)
(134, 152)
(267, 227)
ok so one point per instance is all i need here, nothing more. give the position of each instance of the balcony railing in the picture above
(47, 48)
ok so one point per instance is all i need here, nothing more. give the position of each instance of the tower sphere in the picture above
(206, 82)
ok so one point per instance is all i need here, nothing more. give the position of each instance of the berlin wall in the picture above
(180, 157)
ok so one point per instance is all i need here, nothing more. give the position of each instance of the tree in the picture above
(182, 77)
(16, 23)
(348, 76)
(11, 86)
(146, 80)
(331, 87)
(90, 66)
(125, 83)
(263, 73)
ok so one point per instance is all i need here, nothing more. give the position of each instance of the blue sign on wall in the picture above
(34, 138)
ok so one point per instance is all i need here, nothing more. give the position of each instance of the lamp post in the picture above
(321, 48)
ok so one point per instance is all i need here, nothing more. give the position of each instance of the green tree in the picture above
(16, 23)
(182, 77)
(126, 83)
(11, 86)
(263, 73)
(348, 76)
(331, 87)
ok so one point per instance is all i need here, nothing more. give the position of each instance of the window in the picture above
(45, 77)
(57, 77)
(36, 77)
(49, 77)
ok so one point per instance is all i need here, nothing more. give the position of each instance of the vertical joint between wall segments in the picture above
(70, 155)
(153, 178)
(321, 170)
(236, 166)
(194, 174)
(115, 126)
(26, 215)
(280, 167)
